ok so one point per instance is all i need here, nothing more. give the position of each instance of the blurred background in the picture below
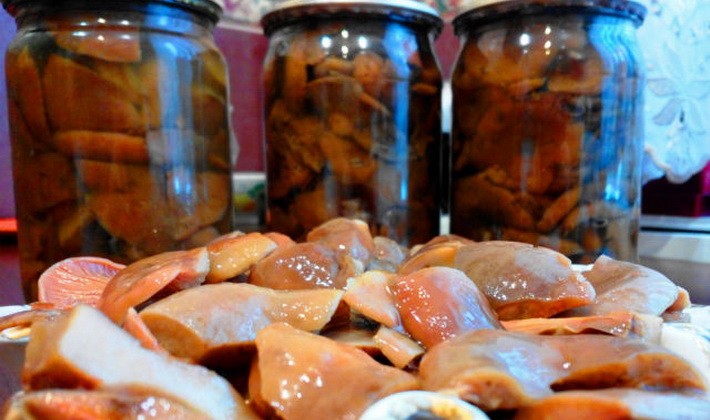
(675, 40)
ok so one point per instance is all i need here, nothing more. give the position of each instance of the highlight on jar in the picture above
(353, 117)
(547, 127)
(120, 133)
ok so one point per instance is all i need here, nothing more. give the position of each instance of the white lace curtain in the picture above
(675, 40)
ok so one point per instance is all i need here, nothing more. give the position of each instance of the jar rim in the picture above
(409, 10)
(212, 8)
(482, 9)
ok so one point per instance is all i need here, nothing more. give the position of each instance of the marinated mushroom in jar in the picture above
(121, 143)
(352, 115)
(546, 139)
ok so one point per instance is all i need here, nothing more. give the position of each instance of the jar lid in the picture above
(485, 9)
(407, 10)
(213, 8)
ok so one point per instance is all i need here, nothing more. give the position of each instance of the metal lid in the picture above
(213, 8)
(474, 4)
(486, 9)
(410, 10)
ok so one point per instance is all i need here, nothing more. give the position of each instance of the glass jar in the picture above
(120, 130)
(547, 125)
(353, 116)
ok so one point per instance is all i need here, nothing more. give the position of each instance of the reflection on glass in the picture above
(353, 127)
(129, 155)
(546, 133)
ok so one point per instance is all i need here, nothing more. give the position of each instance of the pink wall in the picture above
(244, 52)
(7, 202)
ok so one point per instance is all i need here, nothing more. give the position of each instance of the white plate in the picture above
(12, 355)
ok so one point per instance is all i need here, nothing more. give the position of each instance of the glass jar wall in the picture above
(120, 131)
(353, 117)
(547, 125)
